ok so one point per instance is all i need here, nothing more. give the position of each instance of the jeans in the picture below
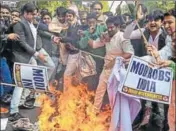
(20, 94)
(5, 77)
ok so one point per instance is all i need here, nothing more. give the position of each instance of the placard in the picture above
(146, 81)
(31, 77)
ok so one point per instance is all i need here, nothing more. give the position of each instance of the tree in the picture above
(51, 5)
(159, 4)
(105, 6)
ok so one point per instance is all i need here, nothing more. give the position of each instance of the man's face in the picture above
(97, 9)
(61, 19)
(169, 24)
(15, 15)
(83, 19)
(47, 19)
(5, 14)
(69, 18)
(112, 29)
(35, 13)
(154, 25)
(29, 16)
(92, 23)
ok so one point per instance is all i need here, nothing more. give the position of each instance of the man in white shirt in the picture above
(117, 46)
(29, 51)
(158, 38)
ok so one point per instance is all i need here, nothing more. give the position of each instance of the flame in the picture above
(72, 110)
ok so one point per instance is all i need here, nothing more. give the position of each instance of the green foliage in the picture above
(105, 6)
(50, 5)
(164, 5)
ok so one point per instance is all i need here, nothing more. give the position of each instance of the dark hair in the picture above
(82, 13)
(15, 10)
(43, 11)
(116, 20)
(108, 13)
(96, 3)
(171, 12)
(92, 16)
(5, 7)
(46, 13)
(69, 11)
(156, 15)
(61, 11)
(29, 7)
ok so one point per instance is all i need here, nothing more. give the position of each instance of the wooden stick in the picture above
(13, 85)
(145, 40)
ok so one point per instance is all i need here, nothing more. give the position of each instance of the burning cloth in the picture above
(124, 108)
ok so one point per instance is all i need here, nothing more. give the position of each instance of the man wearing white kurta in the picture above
(117, 46)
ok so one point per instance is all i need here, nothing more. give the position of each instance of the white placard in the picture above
(4, 123)
(31, 77)
(146, 81)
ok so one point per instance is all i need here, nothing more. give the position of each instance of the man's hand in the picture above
(42, 57)
(13, 36)
(140, 14)
(90, 43)
(164, 63)
(105, 37)
(56, 39)
(152, 50)
(91, 30)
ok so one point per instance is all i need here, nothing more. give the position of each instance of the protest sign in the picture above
(146, 81)
(31, 77)
(4, 124)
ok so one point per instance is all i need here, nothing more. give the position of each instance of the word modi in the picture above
(37, 80)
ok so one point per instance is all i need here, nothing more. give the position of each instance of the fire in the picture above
(72, 111)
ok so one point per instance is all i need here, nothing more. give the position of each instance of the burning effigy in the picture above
(72, 110)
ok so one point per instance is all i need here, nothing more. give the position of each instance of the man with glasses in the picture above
(97, 8)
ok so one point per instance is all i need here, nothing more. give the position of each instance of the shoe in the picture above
(28, 104)
(6, 98)
(14, 117)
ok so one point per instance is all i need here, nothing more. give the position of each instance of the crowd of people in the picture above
(34, 36)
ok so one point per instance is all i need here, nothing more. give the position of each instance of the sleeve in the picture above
(42, 26)
(166, 52)
(126, 45)
(130, 33)
(45, 34)
(173, 66)
(83, 43)
(18, 29)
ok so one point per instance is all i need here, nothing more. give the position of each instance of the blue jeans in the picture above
(5, 77)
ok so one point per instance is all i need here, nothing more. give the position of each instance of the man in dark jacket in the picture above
(28, 50)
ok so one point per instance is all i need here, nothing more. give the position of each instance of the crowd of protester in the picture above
(36, 37)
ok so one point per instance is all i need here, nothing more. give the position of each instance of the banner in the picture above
(31, 77)
(146, 81)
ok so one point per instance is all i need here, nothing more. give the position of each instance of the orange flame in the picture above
(72, 110)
